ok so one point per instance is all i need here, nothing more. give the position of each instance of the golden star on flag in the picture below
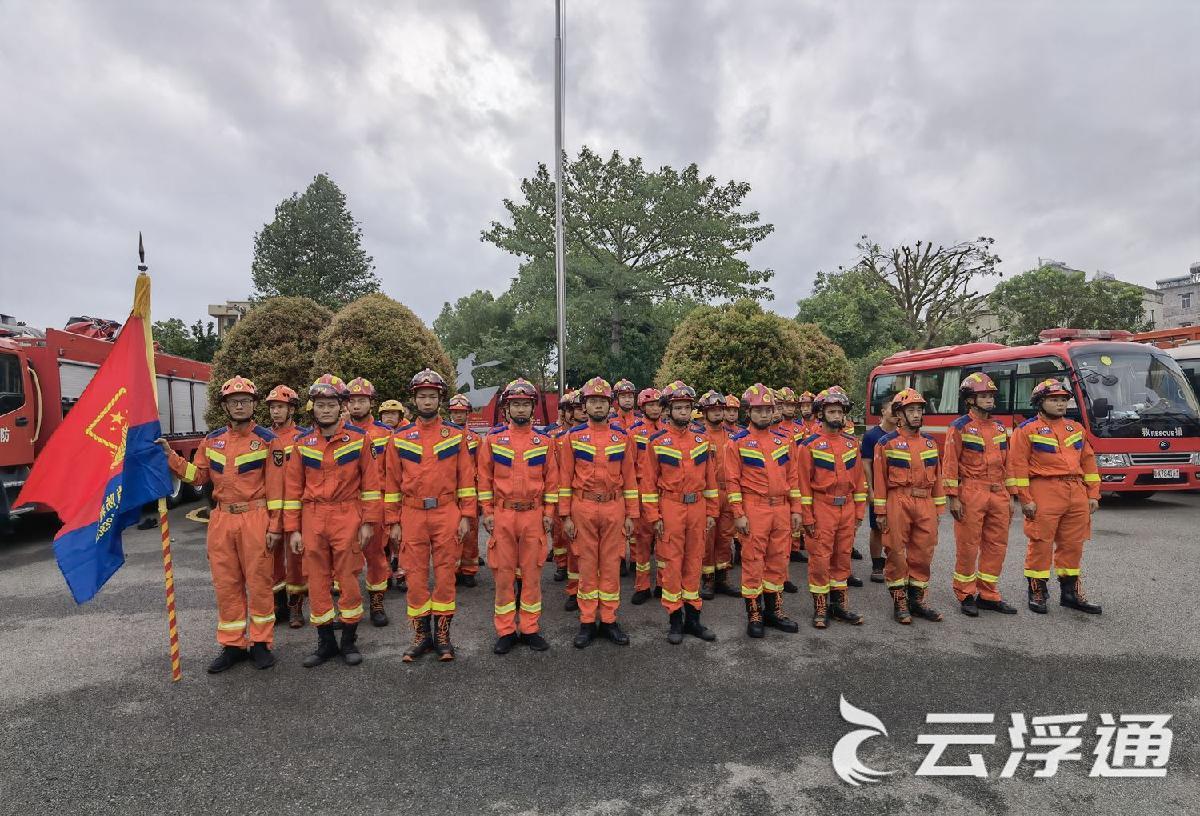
(118, 420)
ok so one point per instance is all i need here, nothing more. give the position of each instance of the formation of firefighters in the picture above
(304, 512)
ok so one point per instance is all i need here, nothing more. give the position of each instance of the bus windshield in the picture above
(1136, 392)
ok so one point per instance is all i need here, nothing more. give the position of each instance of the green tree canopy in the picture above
(197, 342)
(377, 338)
(824, 363)
(853, 310)
(490, 327)
(733, 346)
(273, 344)
(642, 248)
(313, 249)
(1054, 296)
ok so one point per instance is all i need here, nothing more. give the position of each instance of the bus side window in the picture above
(884, 388)
(939, 388)
(1001, 375)
(1029, 373)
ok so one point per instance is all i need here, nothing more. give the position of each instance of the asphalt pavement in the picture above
(90, 722)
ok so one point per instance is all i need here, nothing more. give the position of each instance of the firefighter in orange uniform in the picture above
(556, 432)
(598, 502)
(244, 461)
(908, 499)
(1054, 471)
(379, 570)
(518, 491)
(733, 407)
(459, 409)
(430, 500)
(764, 495)
(282, 403)
(833, 492)
(718, 547)
(624, 413)
(681, 501)
(973, 472)
(391, 413)
(807, 419)
(332, 505)
(645, 426)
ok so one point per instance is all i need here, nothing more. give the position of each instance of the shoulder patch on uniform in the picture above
(928, 437)
(887, 437)
(657, 434)
(217, 432)
(303, 430)
(961, 422)
(809, 438)
(580, 427)
(405, 427)
(264, 433)
(740, 434)
(1029, 421)
(615, 427)
(350, 427)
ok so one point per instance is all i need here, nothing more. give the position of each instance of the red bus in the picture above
(1138, 409)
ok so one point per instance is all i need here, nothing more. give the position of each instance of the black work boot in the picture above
(754, 618)
(327, 647)
(505, 643)
(281, 606)
(624, 567)
(855, 555)
(614, 632)
(773, 613)
(657, 591)
(640, 597)
(225, 660)
(916, 604)
(692, 625)
(995, 606)
(585, 636)
(723, 586)
(441, 637)
(969, 608)
(378, 613)
(854, 582)
(877, 569)
(900, 605)
(790, 588)
(820, 610)
(839, 607)
(535, 641)
(296, 611)
(422, 641)
(675, 631)
(1071, 595)
(350, 652)
(465, 579)
(260, 653)
(1037, 595)
(560, 574)
(572, 603)
(707, 587)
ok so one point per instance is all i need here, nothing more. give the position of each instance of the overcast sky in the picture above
(1068, 130)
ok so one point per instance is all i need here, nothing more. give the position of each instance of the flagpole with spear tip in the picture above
(141, 301)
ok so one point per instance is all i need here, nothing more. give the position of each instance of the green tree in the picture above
(854, 311)
(824, 363)
(932, 287)
(197, 342)
(860, 371)
(380, 339)
(273, 344)
(642, 248)
(489, 327)
(313, 249)
(731, 347)
(1055, 296)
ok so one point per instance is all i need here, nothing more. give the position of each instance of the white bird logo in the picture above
(845, 753)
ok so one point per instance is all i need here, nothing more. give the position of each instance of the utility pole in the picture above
(560, 277)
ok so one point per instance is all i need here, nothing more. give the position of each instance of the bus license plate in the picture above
(1166, 473)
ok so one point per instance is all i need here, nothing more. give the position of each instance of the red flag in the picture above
(102, 465)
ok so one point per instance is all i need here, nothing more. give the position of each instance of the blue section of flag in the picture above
(89, 555)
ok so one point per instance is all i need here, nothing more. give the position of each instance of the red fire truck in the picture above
(43, 374)
(1135, 404)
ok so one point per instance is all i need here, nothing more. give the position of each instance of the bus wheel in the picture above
(175, 496)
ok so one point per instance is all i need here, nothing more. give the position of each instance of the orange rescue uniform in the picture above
(718, 547)
(833, 493)
(643, 535)
(908, 491)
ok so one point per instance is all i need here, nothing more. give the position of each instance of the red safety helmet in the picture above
(678, 391)
(597, 387)
(732, 402)
(977, 383)
(909, 396)
(624, 386)
(806, 396)
(831, 396)
(788, 396)
(1048, 388)
(238, 385)
(328, 385)
(281, 393)
(757, 396)
(427, 378)
(710, 399)
(361, 387)
(520, 388)
(569, 400)
(649, 395)
(459, 402)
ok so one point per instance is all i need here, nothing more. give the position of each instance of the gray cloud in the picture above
(1069, 130)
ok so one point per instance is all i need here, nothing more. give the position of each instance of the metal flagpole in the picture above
(560, 278)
